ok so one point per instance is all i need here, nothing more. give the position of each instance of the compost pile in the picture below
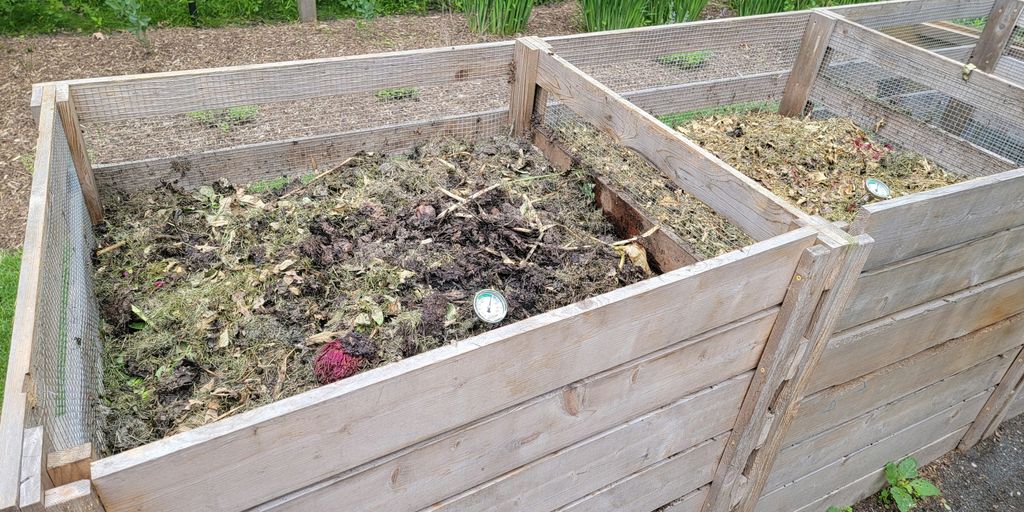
(704, 230)
(819, 165)
(216, 301)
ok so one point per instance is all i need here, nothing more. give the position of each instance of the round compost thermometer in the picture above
(877, 189)
(490, 306)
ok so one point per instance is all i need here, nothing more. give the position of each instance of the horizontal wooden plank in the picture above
(848, 467)
(907, 12)
(293, 157)
(805, 457)
(469, 456)
(298, 441)
(871, 346)
(683, 97)
(658, 484)
(920, 223)
(838, 404)
(732, 194)
(907, 283)
(586, 467)
(949, 151)
(127, 97)
(871, 483)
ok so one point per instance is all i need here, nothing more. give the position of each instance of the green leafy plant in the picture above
(905, 488)
(834, 508)
(660, 12)
(502, 17)
(685, 60)
(613, 14)
(271, 184)
(397, 93)
(128, 10)
(225, 118)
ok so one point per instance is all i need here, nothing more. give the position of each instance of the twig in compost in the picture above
(475, 195)
(282, 371)
(452, 195)
(109, 248)
(317, 177)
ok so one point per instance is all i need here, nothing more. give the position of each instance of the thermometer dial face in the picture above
(490, 306)
(877, 188)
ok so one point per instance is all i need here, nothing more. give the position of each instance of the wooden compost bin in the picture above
(682, 389)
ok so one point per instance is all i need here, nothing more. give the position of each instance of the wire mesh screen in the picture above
(678, 68)
(1011, 63)
(962, 127)
(66, 351)
(882, 16)
(291, 120)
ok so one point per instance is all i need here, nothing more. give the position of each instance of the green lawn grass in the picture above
(10, 262)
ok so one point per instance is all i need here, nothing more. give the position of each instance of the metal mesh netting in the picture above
(66, 352)
(881, 16)
(894, 95)
(672, 69)
(1011, 63)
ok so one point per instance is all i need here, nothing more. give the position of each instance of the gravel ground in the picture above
(28, 60)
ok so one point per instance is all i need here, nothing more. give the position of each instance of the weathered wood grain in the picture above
(907, 283)
(474, 454)
(849, 467)
(34, 480)
(79, 153)
(732, 194)
(907, 12)
(996, 34)
(670, 99)
(873, 345)
(524, 83)
(803, 458)
(301, 440)
(808, 60)
(994, 411)
(74, 497)
(70, 465)
(586, 467)
(927, 221)
(838, 404)
(307, 11)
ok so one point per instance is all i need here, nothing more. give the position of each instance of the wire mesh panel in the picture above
(886, 92)
(67, 348)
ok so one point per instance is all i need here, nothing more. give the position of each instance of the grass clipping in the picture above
(818, 165)
(216, 301)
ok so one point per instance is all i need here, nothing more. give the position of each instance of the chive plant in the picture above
(501, 17)
(751, 7)
(613, 14)
(661, 12)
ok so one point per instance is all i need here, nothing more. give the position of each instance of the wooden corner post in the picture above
(808, 61)
(998, 30)
(307, 11)
(524, 83)
(812, 307)
(79, 153)
(994, 411)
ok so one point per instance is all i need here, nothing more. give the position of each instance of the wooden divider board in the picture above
(670, 99)
(917, 280)
(873, 456)
(301, 440)
(907, 12)
(732, 194)
(467, 456)
(823, 448)
(836, 405)
(873, 345)
(927, 221)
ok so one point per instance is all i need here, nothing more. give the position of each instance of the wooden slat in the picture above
(1017, 407)
(34, 480)
(998, 29)
(927, 221)
(836, 405)
(79, 153)
(809, 455)
(70, 465)
(586, 467)
(254, 162)
(732, 194)
(907, 283)
(994, 411)
(848, 467)
(177, 92)
(865, 348)
(907, 12)
(949, 151)
(808, 62)
(773, 369)
(860, 488)
(12, 419)
(301, 440)
(74, 497)
(658, 484)
(524, 83)
(469, 456)
(671, 99)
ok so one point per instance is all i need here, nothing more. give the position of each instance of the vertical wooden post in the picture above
(307, 11)
(808, 62)
(524, 83)
(34, 479)
(812, 307)
(994, 411)
(79, 154)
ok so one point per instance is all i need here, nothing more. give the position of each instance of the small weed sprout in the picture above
(685, 60)
(225, 118)
(277, 183)
(128, 10)
(397, 93)
(834, 508)
(905, 488)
